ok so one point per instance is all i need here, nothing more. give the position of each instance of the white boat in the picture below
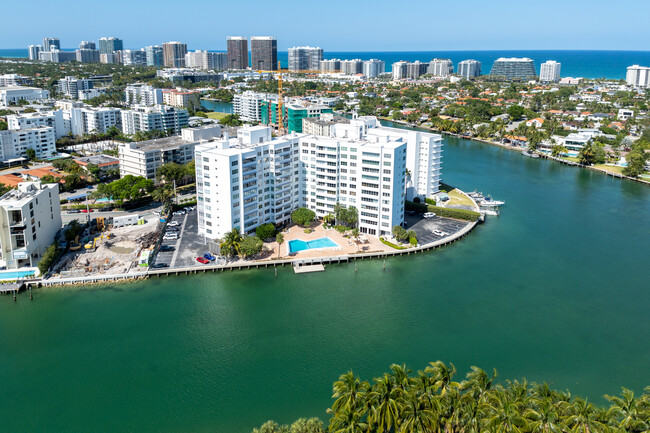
(489, 212)
(490, 202)
(530, 154)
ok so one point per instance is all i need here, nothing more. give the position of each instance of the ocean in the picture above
(588, 64)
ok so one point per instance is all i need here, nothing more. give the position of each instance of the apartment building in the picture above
(30, 217)
(52, 118)
(469, 69)
(293, 113)
(13, 94)
(305, 58)
(440, 67)
(143, 94)
(409, 70)
(154, 55)
(7, 80)
(174, 54)
(514, 68)
(638, 76)
(247, 181)
(70, 86)
(157, 117)
(237, 52)
(87, 55)
(206, 60)
(330, 65)
(181, 98)
(178, 75)
(550, 71)
(134, 57)
(33, 52)
(373, 68)
(321, 125)
(352, 67)
(110, 45)
(248, 105)
(264, 53)
(144, 158)
(14, 143)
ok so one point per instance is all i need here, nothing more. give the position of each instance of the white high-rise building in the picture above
(352, 67)
(255, 179)
(469, 69)
(33, 51)
(440, 67)
(206, 60)
(134, 57)
(305, 58)
(143, 94)
(30, 217)
(158, 117)
(550, 71)
(7, 80)
(14, 143)
(87, 55)
(70, 86)
(52, 118)
(154, 55)
(399, 70)
(638, 76)
(248, 105)
(373, 67)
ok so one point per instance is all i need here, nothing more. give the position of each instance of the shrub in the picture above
(413, 241)
(390, 244)
(307, 231)
(459, 214)
(303, 216)
(48, 259)
(400, 233)
(430, 201)
(265, 231)
(250, 246)
(341, 228)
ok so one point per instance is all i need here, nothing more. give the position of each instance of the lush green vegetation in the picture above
(390, 244)
(460, 214)
(347, 216)
(431, 401)
(49, 258)
(129, 188)
(251, 246)
(265, 231)
(303, 216)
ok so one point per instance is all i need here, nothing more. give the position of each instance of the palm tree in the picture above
(504, 414)
(348, 420)
(163, 194)
(558, 150)
(355, 235)
(544, 418)
(417, 417)
(442, 376)
(582, 418)
(628, 412)
(231, 244)
(279, 238)
(349, 392)
(385, 403)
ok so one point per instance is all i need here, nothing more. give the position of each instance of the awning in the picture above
(77, 197)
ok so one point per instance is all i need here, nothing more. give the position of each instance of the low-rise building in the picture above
(143, 94)
(144, 158)
(14, 143)
(180, 98)
(12, 94)
(103, 162)
(157, 117)
(30, 217)
(7, 80)
(52, 118)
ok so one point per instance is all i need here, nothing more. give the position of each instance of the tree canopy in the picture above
(128, 188)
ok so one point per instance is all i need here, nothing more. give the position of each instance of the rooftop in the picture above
(99, 160)
(24, 193)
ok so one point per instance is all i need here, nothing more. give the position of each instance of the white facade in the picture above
(373, 67)
(399, 70)
(144, 158)
(469, 69)
(70, 86)
(305, 58)
(638, 76)
(158, 117)
(440, 67)
(248, 105)
(7, 80)
(30, 217)
(84, 95)
(550, 71)
(33, 52)
(30, 120)
(14, 143)
(352, 67)
(13, 94)
(143, 94)
(255, 179)
(206, 60)
(134, 57)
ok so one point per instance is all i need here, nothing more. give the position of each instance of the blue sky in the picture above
(337, 25)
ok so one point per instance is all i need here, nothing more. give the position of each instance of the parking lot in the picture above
(424, 227)
(187, 247)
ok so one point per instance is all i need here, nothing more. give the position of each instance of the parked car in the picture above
(172, 229)
(87, 210)
(160, 265)
(438, 233)
(167, 248)
(202, 260)
(173, 224)
(74, 211)
(156, 213)
(209, 257)
(170, 237)
(429, 215)
(180, 212)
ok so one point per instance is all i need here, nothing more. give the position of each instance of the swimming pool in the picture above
(298, 245)
(14, 275)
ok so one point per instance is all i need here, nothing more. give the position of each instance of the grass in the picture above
(215, 115)
(610, 168)
(458, 198)
(570, 158)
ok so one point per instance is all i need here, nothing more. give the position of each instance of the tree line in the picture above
(432, 401)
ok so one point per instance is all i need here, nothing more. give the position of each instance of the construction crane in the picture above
(279, 72)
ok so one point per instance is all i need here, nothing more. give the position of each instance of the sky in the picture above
(337, 25)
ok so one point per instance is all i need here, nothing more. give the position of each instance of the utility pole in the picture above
(175, 194)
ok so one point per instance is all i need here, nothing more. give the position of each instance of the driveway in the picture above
(424, 227)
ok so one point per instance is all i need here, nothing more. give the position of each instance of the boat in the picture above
(489, 212)
(530, 154)
(490, 202)
(476, 195)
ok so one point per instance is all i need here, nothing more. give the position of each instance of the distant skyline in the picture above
(380, 25)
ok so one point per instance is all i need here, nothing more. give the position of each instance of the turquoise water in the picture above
(575, 63)
(13, 275)
(219, 107)
(298, 245)
(554, 289)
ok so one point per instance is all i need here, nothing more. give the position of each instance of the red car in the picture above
(202, 260)
(86, 210)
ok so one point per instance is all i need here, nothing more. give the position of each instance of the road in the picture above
(144, 211)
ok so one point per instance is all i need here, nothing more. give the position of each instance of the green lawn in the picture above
(610, 168)
(570, 158)
(456, 197)
(215, 115)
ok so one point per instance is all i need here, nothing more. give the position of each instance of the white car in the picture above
(156, 213)
(429, 215)
(170, 237)
(438, 233)
(174, 224)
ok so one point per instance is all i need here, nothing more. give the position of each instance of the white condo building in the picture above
(14, 143)
(255, 179)
(70, 86)
(373, 67)
(144, 158)
(52, 118)
(248, 105)
(440, 67)
(305, 58)
(550, 71)
(638, 76)
(143, 94)
(469, 69)
(158, 117)
(30, 217)
(206, 60)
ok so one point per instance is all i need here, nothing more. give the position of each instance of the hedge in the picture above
(460, 214)
(390, 244)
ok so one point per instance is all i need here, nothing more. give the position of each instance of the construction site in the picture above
(109, 247)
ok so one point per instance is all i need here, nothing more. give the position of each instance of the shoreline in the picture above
(519, 149)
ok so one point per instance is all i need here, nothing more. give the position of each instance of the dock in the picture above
(303, 269)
